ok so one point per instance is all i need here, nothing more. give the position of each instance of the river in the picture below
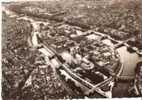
(128, 59)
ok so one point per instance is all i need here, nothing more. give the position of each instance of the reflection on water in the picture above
(128, 59)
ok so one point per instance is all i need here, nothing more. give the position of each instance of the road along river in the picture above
(129, 60)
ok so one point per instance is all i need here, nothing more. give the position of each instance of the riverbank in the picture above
(25, 74)
(130, 59)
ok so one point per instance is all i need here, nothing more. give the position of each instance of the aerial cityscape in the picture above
(71, 49)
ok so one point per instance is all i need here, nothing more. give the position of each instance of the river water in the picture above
(128, 59)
